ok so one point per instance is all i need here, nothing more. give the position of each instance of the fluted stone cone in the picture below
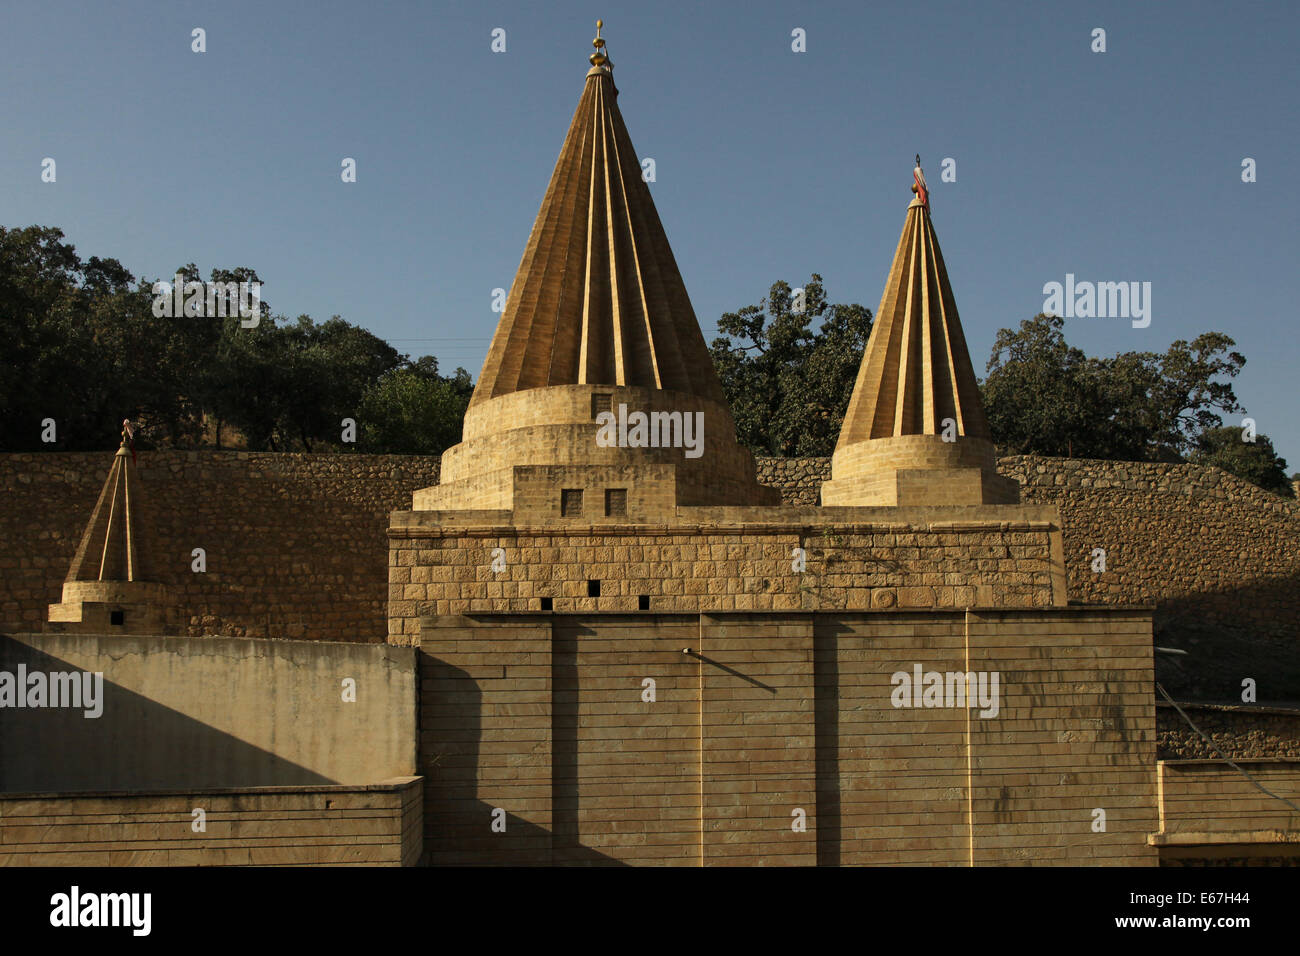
(108, 589)
(597, 317)
(914, 432)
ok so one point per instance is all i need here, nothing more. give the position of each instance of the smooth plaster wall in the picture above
(217, 712)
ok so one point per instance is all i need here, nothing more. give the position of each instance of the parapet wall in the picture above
(176, 713)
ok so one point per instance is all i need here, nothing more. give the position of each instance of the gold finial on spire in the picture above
(599, 58)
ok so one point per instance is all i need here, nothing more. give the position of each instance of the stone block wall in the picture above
(1209, 808)
(773, 739)
(375, 825)
(733, 559)
(296, 546)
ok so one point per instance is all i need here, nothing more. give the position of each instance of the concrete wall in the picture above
(375, 825)
(180, 713)
(545, 718)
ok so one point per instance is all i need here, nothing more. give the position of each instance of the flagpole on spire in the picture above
(599, 58)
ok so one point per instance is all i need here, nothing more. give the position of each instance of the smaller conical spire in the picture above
(108, 580)
(914, 431)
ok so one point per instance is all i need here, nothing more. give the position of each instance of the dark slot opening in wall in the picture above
(547, 604)
(643, 602)
(593, 589)
(616, 502)
(570, 502)
(116, 618)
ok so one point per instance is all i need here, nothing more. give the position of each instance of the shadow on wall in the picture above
(135, 744)
(1226, 643)
(458, 825)
(826, 714)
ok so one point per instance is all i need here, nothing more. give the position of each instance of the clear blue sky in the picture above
(1123, 165)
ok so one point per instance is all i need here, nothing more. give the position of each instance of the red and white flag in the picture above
(922, 191)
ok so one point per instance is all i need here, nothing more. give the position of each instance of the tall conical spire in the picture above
(108, 586)
(597, 323)
(916, 405)
(598, 298)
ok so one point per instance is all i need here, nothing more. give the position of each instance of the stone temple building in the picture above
(633, 651)
(609, 644)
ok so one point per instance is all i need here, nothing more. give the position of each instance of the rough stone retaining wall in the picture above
(295, 543)
(1237, 732)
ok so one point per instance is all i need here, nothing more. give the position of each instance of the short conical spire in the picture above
(108, 586)
(916, 371)
(598, 298)
(109, 549)
(914, 431)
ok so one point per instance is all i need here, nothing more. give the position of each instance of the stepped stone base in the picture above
(112, 607)
(907, 470)
(522, 449)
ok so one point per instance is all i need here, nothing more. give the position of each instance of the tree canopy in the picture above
(1044, 396)
(86, 350)
(1255, 461)
(789, 383)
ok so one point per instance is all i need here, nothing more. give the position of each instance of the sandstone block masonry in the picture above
(773, 739)
(724, 559)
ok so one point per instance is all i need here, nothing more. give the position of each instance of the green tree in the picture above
(1044, 396)
(788, 385)
(1256, 462)
(412, 410)
(83, 347)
